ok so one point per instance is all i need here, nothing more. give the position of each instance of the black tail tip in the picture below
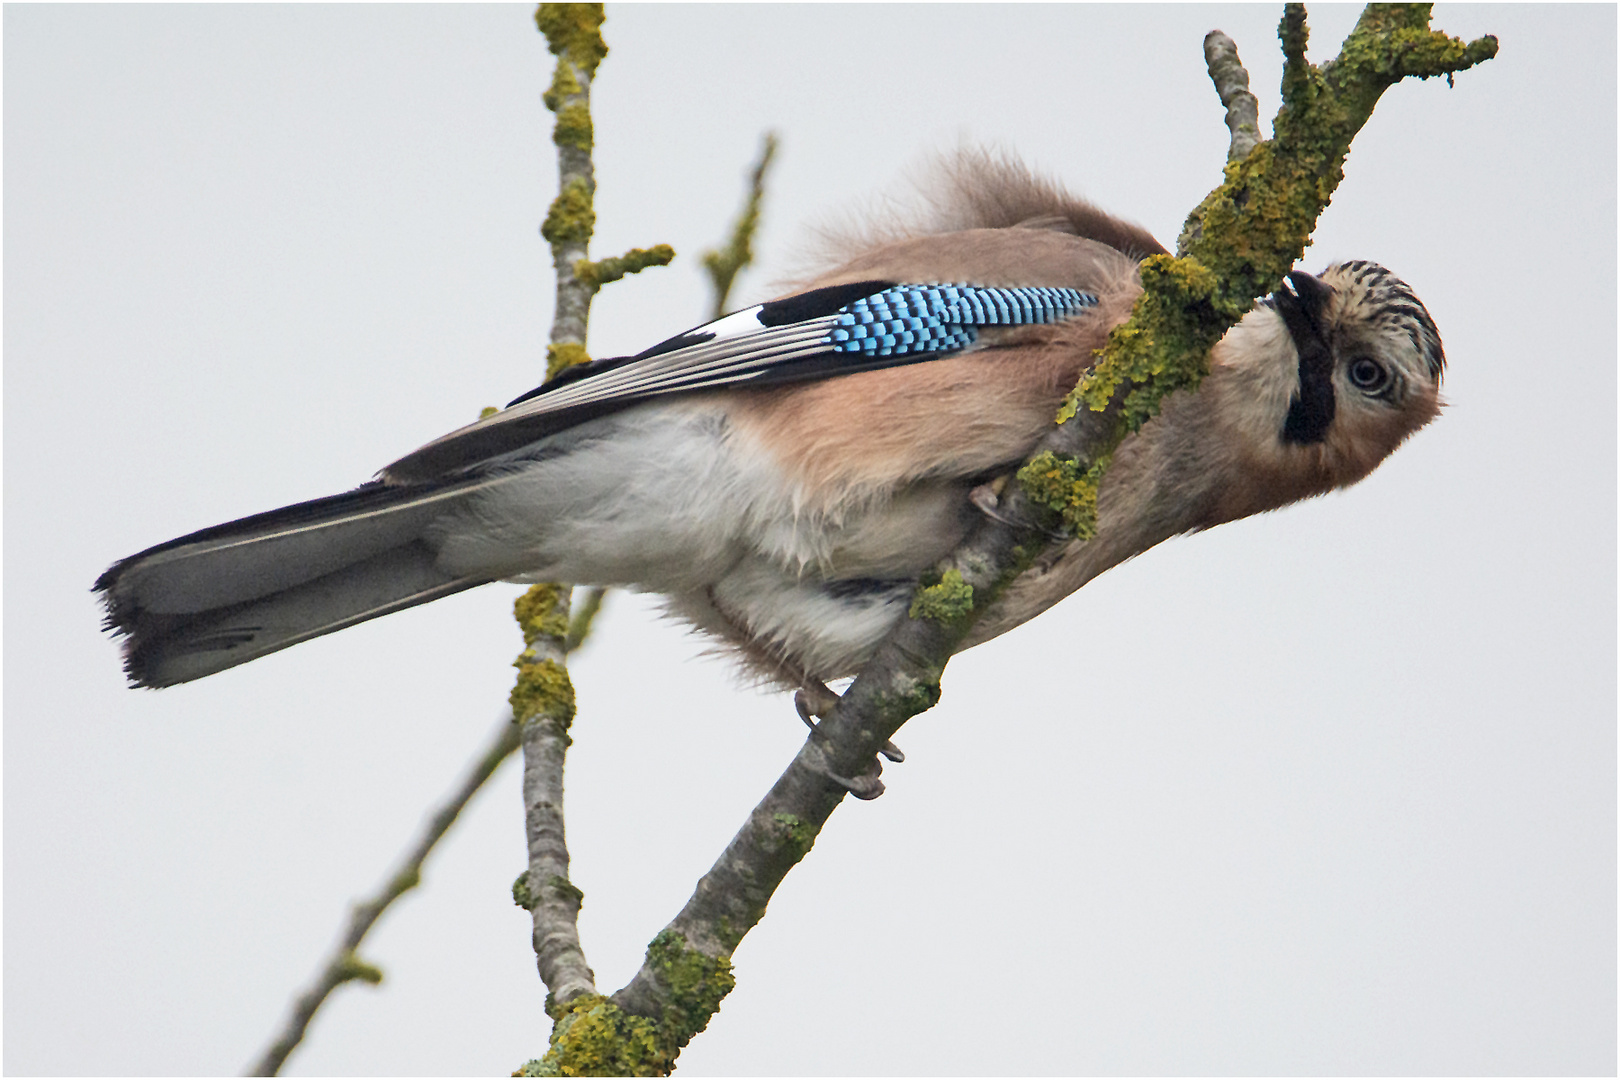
(121, 619)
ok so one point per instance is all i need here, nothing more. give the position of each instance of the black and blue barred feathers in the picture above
(939, 318)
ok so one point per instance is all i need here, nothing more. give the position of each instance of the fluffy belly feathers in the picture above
(679, 501)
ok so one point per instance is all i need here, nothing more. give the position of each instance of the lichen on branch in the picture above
(1252, 228)
(574, 36)
(594, 1036)
(604, 271)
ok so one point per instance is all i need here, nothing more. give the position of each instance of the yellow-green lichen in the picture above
(564, 356)
(563, 86)
(571, 218)
(595, 1037)
(567, 888)
(1163, 347)
(1250, 230)
(543, 691)
(947, 601)
(573, 127)
(601, 272)
(525, 898)
(542, 612)
(694, 984)
(574, 32)
(521, 896)
(488, 411)
(1066, 488)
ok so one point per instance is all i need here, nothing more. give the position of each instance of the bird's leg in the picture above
(813, 698)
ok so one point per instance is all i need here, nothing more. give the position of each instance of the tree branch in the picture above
(543, 710)
(724, 264)
(574, 35)
(1231, 81)
(1237, 244)
(344, 964)
(543, 700)
(583, 617)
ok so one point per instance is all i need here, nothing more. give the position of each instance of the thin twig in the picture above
(583, 617)
(724, 264)
(543, 709)
(344, 963)
(1231, 81)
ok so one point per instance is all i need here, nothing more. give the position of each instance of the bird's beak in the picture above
(1301, 302)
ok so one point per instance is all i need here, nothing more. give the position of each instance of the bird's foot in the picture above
(816, 700)
(986, 498)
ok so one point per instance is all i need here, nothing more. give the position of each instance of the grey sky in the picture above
(1329, 791)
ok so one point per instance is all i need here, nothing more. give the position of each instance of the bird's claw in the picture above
(866, 787)
(817, 701)
(811, 705)
(986, 498)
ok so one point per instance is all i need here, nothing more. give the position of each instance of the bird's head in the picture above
(1328, 375)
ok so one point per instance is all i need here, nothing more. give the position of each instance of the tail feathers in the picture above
(226, 595)
(162, 650)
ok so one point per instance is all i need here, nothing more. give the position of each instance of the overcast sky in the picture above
(1327, 791)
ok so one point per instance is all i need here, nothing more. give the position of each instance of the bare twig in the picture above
(1231, 81)
(344, 964)
(583, 617)
(543, 710)
(724, 264)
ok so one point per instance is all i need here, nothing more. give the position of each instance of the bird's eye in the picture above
(1368, 374)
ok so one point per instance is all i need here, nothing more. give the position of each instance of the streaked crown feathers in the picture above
(1387, 304)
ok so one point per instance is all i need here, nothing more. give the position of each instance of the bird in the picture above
(784, 476)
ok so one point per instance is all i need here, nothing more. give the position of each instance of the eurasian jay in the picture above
(784, 475)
